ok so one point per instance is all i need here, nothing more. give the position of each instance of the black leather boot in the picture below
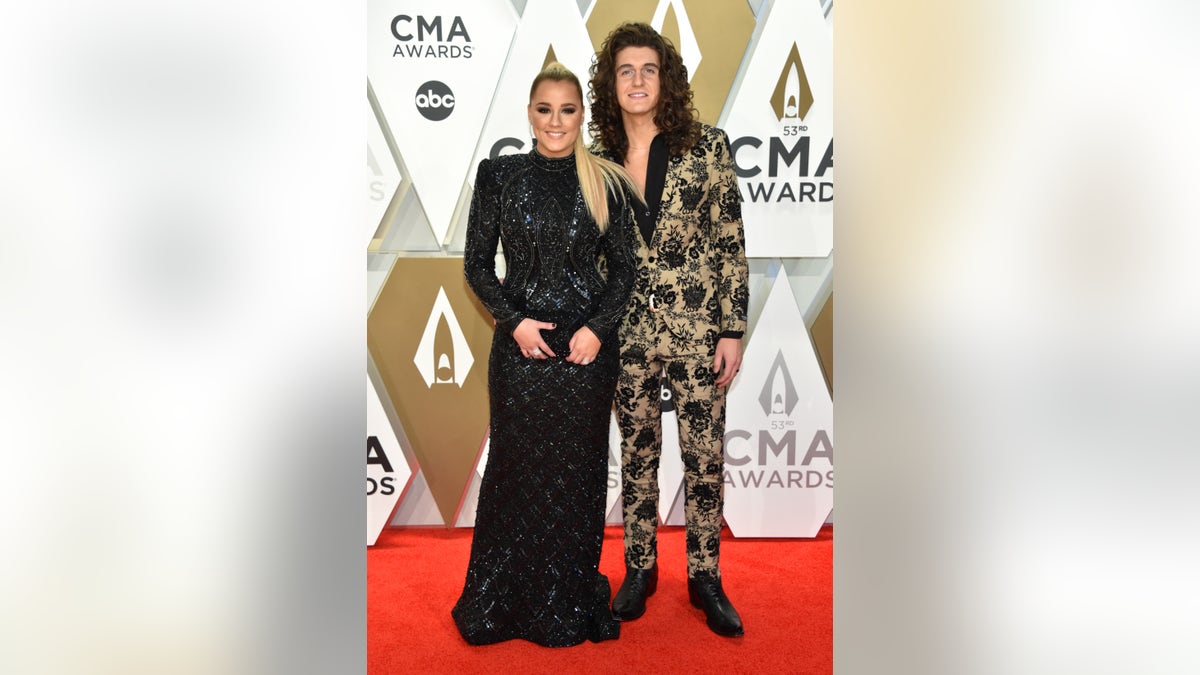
(705, 592)
(630, 602)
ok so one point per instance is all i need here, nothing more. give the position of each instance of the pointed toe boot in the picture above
(630, 601)
(706, 593)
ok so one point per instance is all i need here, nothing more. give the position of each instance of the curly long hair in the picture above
(676, 116)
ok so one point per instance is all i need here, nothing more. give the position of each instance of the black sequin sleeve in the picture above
(479, 258)
(619, 258)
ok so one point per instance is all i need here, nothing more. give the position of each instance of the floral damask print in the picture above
(695, 267)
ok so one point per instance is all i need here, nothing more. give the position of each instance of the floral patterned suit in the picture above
(691, 288)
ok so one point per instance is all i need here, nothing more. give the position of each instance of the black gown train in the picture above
(534, 566)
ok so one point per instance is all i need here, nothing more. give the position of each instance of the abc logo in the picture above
(435, 101)
(666, 399)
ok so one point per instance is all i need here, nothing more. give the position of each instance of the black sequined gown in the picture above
(533, 572)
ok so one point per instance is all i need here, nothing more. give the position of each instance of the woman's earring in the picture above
(532, 135)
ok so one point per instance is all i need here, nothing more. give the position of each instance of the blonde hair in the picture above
(597, 176)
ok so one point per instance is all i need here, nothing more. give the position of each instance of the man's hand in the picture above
(728, 360)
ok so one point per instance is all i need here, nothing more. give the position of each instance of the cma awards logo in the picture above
(793, 96)
(385, 485)
(434, 101)
(778, 396)
(422, 37)
(789, 154)
(769, 458)
(443, 356)
(671, 20)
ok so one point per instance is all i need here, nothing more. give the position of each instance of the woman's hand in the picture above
(584, 346)
(528, 335)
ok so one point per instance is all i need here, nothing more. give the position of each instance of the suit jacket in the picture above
(694, 268)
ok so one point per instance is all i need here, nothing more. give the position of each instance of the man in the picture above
(688, 310)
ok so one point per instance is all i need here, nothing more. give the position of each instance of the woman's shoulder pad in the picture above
(501, 166)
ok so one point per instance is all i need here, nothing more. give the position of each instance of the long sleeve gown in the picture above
(534, 567)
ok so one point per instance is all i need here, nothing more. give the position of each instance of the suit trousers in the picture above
(700, 410)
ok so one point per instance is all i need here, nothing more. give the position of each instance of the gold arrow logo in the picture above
(793, 97)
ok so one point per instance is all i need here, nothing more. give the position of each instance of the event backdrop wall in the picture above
(448, 83)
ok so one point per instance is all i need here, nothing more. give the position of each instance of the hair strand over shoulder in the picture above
(598, 177)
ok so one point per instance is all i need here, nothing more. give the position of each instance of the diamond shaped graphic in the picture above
(547, 28)
(434, 66)
(780, 125)
(439, 397)
(388, 472)
(779, 455)
(710, 35)
(383, 175)
(466, 514)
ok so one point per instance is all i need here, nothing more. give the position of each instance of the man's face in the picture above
(637, 80)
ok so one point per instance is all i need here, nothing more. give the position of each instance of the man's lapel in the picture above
(667, 212)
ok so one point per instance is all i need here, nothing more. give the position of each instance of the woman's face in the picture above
(556, 115)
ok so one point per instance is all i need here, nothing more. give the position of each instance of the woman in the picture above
(559, 211)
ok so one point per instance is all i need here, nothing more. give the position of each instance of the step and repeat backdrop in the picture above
(448, 83)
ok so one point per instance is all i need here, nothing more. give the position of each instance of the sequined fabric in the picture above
(533, 572)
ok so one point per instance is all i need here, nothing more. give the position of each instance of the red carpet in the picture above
(783, 589)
